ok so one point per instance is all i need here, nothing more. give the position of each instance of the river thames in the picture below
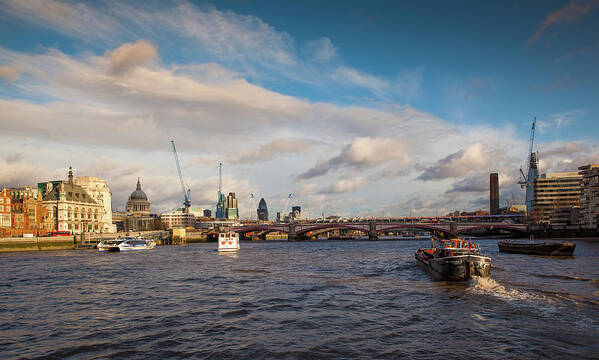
(320, 300)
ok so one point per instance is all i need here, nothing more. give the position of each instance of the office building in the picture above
(177, 219)
(589, 200)
(553, 192)
(262, 210)
(231, 210)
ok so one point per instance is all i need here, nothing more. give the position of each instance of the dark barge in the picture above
(532, 248)
(454, 259)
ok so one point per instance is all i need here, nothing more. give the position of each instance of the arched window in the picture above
(69, 213)
(76, 213)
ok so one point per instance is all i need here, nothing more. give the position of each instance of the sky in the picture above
(380, 108)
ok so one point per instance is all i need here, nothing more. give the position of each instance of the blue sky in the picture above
(356, 108)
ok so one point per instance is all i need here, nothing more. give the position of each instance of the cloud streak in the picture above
(571, 12)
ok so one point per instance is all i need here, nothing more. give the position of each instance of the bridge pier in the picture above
(372, 235)
(291, 235)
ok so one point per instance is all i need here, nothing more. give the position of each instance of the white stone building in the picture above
(99, 191)
(72, 209)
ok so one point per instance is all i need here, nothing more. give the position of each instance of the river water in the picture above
(321, 300)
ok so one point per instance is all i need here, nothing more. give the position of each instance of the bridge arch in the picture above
(423, 226)
(333, 226)
(260, 228)
(509, 227)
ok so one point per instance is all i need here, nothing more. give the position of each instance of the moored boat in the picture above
(455, 259)
(126, 244)
(228, 241)
(534, 248)
(111, 245)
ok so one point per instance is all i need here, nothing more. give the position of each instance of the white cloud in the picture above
(271, 150)
(458, 164)
(322, 50)
(362, 152)
(345, 185)
(131, 55)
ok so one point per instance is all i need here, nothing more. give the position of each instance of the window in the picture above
(8, 201)
(1, 207)
(7, 208)
(1, 200)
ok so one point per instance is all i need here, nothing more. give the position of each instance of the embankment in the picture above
(36, 243)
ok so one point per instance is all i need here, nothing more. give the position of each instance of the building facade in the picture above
(72, 209)
(99, 191)
(589, 200)
(232, 212)
(5, 210)
(553, 192)
(262, 210)
(29, 216)
(177, 219)
(137, 210)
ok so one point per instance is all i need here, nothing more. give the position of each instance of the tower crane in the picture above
(253, 202)
(284, 212)
(532, 172)
(184, 188)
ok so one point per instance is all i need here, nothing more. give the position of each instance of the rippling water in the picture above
(335, 299)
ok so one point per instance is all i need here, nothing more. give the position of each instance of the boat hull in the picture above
(455, 268)
(548, 249)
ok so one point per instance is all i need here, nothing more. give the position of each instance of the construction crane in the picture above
(284, 212)
(186, 193)
(532, 172)
(253, 202)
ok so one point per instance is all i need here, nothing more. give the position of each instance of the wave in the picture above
(488, 286)
(567, 277)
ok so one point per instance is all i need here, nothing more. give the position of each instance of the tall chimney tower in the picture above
(494, 194)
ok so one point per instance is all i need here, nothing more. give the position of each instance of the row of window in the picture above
(2, 200)
(5, 208)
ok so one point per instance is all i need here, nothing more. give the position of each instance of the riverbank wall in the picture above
(37, 243)
(70, 243)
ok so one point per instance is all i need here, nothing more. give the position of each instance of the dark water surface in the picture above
(336, 299)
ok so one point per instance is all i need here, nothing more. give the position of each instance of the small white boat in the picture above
(111, 245)
(126, 244)
(228, 241)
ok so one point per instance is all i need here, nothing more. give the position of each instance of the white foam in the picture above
(491, 287)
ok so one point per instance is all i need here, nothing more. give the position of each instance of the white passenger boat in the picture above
(126, 244)
(228, 241)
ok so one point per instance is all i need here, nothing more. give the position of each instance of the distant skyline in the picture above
(356, 108)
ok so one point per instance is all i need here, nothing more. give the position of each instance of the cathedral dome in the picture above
(138, 194)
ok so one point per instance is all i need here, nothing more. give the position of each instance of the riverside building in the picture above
(99, 191)
(552, 194)
(177, 219)
(137, 211)
(28, 215)
(71, 208)
(589, 200)
(5, 210)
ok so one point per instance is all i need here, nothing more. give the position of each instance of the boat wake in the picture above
(488, 286)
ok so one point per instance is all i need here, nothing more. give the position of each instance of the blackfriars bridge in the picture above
(299, 231)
